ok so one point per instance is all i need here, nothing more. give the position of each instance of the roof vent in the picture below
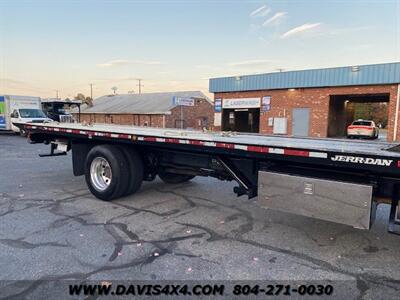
(355, 68)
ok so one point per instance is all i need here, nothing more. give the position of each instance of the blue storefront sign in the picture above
(266, 103)
(218, 105)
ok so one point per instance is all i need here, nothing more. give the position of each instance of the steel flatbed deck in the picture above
(178, 155)
(315, 144)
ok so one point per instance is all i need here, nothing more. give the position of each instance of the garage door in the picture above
(300, 121)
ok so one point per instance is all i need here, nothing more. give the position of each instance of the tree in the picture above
(80, 97)
(89, 101)
(378, 112)
(85, 100)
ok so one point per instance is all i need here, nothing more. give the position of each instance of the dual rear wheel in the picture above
(112, 172)
(116, 171)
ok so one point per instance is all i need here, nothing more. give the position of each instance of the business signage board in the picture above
(183, 101)
(266, 103)
(241, 103)
(218, 105)
(217, 119)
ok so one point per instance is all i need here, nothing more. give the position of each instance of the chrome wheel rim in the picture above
(100, 173)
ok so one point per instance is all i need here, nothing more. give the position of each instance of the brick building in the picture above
(312, 103)
(152, 109)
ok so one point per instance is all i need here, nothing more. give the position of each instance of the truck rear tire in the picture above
(173, 178)
(106, 172)
(135, 169)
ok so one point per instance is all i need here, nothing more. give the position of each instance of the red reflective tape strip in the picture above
(195, 142)
(150, 139)
(296, 152)
(225, 145)
(258, 149)
(173, 141)
(124, 136)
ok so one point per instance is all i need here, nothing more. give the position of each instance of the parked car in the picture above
(363, 129)
(20, 109)
(31, 115)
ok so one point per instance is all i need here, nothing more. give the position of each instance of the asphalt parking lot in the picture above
(53, 228)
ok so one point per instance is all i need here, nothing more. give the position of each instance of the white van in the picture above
(20, 109)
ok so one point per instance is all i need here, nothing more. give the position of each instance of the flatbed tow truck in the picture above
(335, 180)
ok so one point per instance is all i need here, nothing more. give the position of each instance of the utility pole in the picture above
(91, 91)
(56, 94)
(140, 85)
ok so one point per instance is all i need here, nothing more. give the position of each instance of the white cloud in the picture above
(251, 63)
(262, 11)
(300, 30)
(275, 19)
(125, 62)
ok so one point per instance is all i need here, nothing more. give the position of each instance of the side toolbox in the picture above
(335, 201)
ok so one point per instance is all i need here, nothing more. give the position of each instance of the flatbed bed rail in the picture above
(244, 158)
(372, 156)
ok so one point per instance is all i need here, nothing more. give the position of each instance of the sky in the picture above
(47, 46)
